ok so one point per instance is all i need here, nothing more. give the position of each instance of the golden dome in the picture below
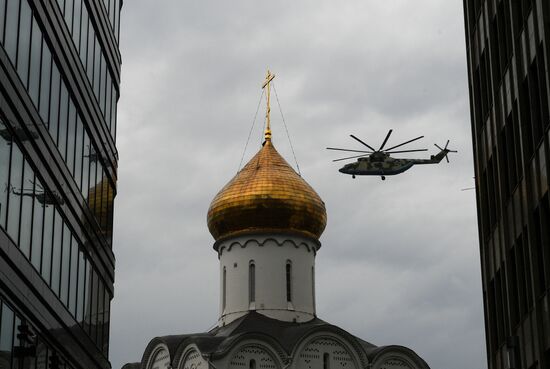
(267, 195)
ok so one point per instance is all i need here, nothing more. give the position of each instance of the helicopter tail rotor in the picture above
(446, 150)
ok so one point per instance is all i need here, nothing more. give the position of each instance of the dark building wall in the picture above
(59, 86)
(508, 65)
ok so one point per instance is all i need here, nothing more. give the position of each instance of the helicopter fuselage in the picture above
(381, 164)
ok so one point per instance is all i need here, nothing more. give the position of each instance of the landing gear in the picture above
(353, 176)
(383, 178)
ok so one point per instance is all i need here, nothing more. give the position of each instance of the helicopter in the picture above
(19, 131)
(44, 197)
(380, 163)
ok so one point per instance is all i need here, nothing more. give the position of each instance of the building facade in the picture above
(508, 73)
(59, 86)
(266, 223)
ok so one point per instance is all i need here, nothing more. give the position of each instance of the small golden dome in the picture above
(267, 195)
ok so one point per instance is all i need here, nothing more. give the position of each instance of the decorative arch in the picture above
(398, 357)
(253, 351)
(191, 358)
(157, 356)
(318, 348)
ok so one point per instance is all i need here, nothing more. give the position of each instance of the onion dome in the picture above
(267, 195)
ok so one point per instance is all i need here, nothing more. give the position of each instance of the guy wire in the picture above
(286, 129)
(250, 132)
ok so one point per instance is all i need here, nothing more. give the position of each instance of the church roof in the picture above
(267, 195)
(281, 334)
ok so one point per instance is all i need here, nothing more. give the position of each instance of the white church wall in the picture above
(270, 255)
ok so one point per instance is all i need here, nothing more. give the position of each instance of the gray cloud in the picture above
(399, 262)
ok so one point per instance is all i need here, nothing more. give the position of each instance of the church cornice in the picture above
(260, 239)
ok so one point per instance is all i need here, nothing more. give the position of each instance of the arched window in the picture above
(288, 281)
(326, 360)
(251, 282)
(224, 288)
(252, 364)
(313, 286)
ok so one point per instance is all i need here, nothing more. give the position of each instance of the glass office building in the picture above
(508, 65)
(59, 86)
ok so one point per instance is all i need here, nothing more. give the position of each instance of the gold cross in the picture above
(267, 83)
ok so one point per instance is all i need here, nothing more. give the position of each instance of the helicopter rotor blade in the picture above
(439, 147)
(367, 145)
(404, 143)
(351, 157)
(385, 140)
(338, 149)
(402, 151)
(446, 157)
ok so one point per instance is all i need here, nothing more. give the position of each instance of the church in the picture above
(266, 223)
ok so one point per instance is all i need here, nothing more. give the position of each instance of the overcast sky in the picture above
(399, 262)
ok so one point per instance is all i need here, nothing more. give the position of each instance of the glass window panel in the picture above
(80, 287)
(56, 252)
(77, 14)
(115, 120)
(112, 114)
(87, 294)
(41, 355)
(26, 210)
(16, 182)
(73, 280)
(111, 13)
(84, 36)
(86, 166)
(91, 46)
(71, 127)
(49, 214)
(34, 68)
(5, 150)
(12, 25)
(2, 20)
(95, 294)
(100, 305)
(102, 81)
(92, 178)
(110, 216)
(65, 265)
(78, 152)
(108, 95)
(98, 194)
(16, 362)
(54, 102)
(24, 43)
(6, 330)
(45, 83)
(97, 66)
(69, 13)
(117, 19)
(63, 114)
(106, 321)
(37, 227)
